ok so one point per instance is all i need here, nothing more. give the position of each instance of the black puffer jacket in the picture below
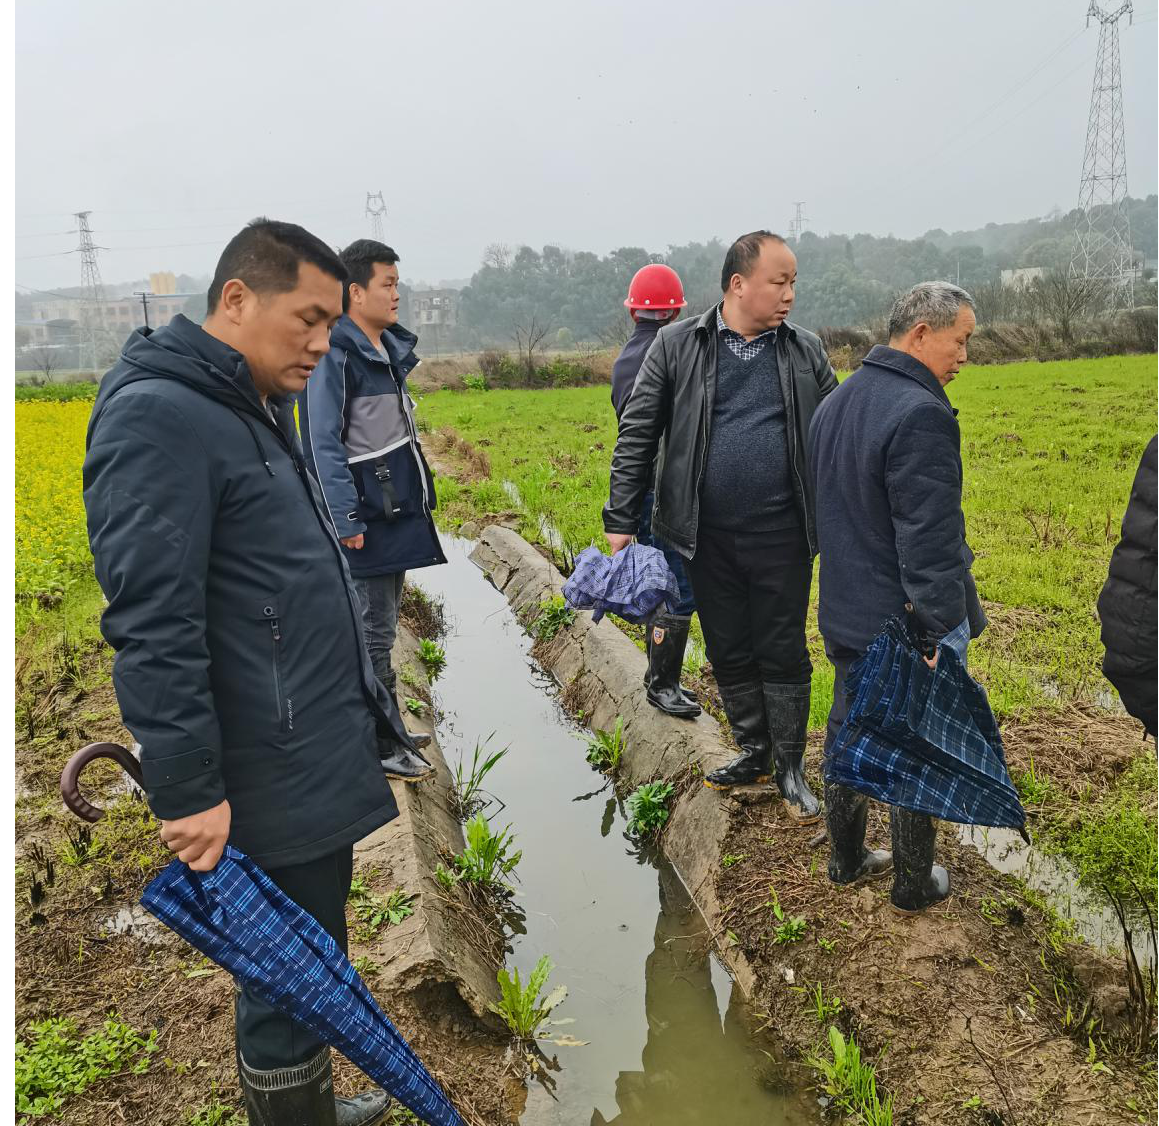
(240, 666)
(1128, 604)
(670, 411)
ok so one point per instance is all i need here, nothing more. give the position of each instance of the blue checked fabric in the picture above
(741, 348)
(924, 739)
(240, 918)
(632, 583)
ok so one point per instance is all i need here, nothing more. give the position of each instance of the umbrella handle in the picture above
(70, 777)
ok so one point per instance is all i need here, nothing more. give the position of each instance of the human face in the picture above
(943, 350)
(283, 335)
(763, 299)
(375, 305)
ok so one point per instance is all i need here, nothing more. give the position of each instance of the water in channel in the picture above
(667, 1042)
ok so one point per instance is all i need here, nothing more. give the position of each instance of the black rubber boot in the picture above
(787, 706)
(918, 882)
(400, 763)
(668, 635)
(304, 1096)
(745, 707)
(688, 695)
(850, 861)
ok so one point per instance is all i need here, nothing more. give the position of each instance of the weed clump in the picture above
(606, 748)
(648, 808)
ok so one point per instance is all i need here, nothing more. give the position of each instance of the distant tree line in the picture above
(561, 296)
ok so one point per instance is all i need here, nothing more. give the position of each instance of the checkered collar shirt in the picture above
(741, 348)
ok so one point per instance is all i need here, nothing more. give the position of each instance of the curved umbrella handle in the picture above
(70, 777)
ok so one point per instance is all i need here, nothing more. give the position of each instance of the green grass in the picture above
(1048, 450)
(54, 1062)
(851, 1083)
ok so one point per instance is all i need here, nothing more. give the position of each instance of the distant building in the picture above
(163, 283)
(121, 315)
(1022, 277)
(434, 307)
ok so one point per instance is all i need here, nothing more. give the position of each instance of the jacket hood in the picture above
(183, 351)
(399, 343)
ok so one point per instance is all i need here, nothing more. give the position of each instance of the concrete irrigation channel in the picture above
(669, 1038)
(672, 975)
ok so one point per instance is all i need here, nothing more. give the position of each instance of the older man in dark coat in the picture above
(887, 472)
(240, 666)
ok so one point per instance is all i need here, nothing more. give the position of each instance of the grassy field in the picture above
(1049, 453)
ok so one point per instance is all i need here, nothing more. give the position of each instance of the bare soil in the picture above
(69, 962)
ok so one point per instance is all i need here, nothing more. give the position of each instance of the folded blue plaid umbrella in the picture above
(633, 583)
(923, 739)
(240, 918)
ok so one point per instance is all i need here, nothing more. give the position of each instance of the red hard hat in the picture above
(656, 286)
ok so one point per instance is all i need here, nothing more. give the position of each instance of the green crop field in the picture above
(1049, 452)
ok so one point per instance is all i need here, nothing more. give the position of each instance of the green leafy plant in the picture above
(520, 1005)
(826, 944)
(488, 857)
(433, 656)
(215, 1114)
(822, 1007)
(54, 1062)
(648, 808)
(446, 877)
(606, 748)
(414, 705)
(729, 859)
(365, 966)
(554, 614)
(467, 788)
(1033, 788)
(790, 928)
(475, 382)
(850, 1083)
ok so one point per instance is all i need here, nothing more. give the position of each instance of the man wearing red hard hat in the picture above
(655, 297)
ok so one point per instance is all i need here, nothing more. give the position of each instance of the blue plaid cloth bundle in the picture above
(633, 583)
(240, 918)
(923, 739)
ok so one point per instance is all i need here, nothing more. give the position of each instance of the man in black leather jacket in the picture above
(725, 400)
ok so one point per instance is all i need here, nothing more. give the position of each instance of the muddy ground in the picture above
(70, 962)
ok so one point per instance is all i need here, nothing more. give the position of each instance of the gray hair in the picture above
(934, 303)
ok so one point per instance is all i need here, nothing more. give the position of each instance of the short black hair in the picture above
(265, 255)
(359, 259)
(743, 254)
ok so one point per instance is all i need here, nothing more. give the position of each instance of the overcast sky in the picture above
(587, 124)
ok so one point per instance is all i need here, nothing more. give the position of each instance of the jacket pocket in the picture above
(283, 704)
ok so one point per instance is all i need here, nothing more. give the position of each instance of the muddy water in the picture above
(1056, 880)
(667, 1042)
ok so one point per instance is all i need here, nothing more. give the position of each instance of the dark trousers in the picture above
(752, 594)
(380, 596)
(266, 1037)
(687, 604)
(841, 700)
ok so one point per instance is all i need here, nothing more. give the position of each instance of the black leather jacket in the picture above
(670, 411)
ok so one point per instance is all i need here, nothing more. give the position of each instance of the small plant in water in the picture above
(851, 1084)
(467, 789)
(554, 614)
(607, 747)
(648, 808)
(488, 857)
(432, 655)
(520, 1006)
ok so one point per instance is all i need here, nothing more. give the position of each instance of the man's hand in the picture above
(932, 661)
(617, 542)
(200, 838)
(354, 542)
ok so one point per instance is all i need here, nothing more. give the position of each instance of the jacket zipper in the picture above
(791, 434)
(276, 634)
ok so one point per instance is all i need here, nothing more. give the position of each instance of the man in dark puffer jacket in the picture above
(1127, 604)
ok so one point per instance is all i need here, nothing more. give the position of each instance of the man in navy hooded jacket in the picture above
(240, 667)
(362, 445)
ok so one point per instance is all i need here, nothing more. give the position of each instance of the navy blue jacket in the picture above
(240, 666)
(884, 456)
(357, 423)
(627, 365)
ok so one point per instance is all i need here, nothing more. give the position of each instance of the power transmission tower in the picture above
(376, 209)
(798, 223)
(1102, 250)
(94, 334)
